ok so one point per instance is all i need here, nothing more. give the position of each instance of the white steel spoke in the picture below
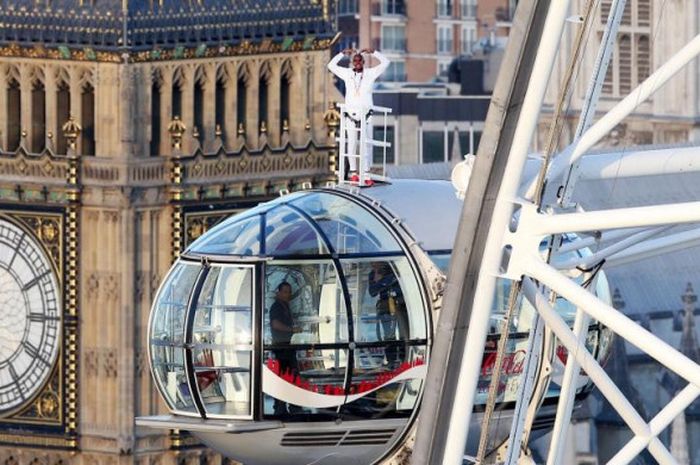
(656, 215)
(567, 394)
(666, 244)
(615, 320)
(478, 325)
(659, 423)
(590, 365)
(587, 262)
(590, 241)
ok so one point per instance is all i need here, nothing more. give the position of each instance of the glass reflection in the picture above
(383, 390)
(349, 227)
(386, 301)
(167, 336)
(287, 233)
(239, 237)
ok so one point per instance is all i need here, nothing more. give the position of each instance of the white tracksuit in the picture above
(358, 101)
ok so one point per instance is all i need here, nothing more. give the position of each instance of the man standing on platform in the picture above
(359, 82)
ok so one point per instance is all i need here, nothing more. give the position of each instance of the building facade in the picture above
(651, 32)
(421, 38)
(127, 130)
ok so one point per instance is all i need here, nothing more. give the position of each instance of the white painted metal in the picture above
(593, 240)
(630, 163)
(526, 260)
(590, 260)
(595, 86)
(678, 213)
(567, 394)
(478, 325)
(362, 140)
(666, 244)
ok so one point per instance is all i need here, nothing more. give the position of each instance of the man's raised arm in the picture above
(333, 66)
(383, 62)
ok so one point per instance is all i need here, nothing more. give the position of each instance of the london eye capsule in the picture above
(300, 331)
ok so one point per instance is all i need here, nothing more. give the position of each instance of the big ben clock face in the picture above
(29, 317)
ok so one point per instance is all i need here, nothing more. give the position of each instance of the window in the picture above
(38, 117)
(444, 40)
(393, 38)
(378, 153)
(220, 101)
(241, 99)
(468, 39)
(444, 8)
(222, 341)
(87, 136)
(631, 60)
(348, 7)
(443, 67)
(199, 110)
(396, 72)
(393, 7)
(14, 115)
(433, 146)
(468, 8)
(155, 119)
(62, 114)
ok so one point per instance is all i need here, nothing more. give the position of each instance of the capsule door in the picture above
(221, 330)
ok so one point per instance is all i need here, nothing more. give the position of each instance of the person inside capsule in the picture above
(391, 310)
(282, 329)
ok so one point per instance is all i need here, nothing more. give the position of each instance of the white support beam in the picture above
(470, 367)
(603, 254)
(656, 215)
(622, 325)
(657, 162)
(652, 248)
(607, 387)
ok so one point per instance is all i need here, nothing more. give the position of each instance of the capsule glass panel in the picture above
(348, 227)
(288, 233)
(241, 237)
(167, 337)
(222, 341)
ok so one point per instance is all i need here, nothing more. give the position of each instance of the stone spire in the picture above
(689, 348)
(618, 370)
(689, 343)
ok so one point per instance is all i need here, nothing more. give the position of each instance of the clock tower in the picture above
(127, 129)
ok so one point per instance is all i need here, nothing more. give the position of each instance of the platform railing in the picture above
(363, 142)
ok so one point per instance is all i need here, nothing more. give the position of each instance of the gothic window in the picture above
(14, 115)
(87, 111)
(241, 99)
(631, 63)
(38, 117)
(176, 108)
(285, 86)
(625, 64)
(263, 93)
(220, 99)
(199, 109)
(62, 115)
(643, 58)
(155, 119)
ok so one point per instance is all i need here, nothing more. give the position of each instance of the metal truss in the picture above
(513, 251)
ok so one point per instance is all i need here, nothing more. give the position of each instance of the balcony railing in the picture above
(388, 44)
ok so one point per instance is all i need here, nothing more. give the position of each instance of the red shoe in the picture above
(354, 178)
(369, 182)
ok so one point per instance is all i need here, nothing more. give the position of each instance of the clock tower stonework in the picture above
(127, 129)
